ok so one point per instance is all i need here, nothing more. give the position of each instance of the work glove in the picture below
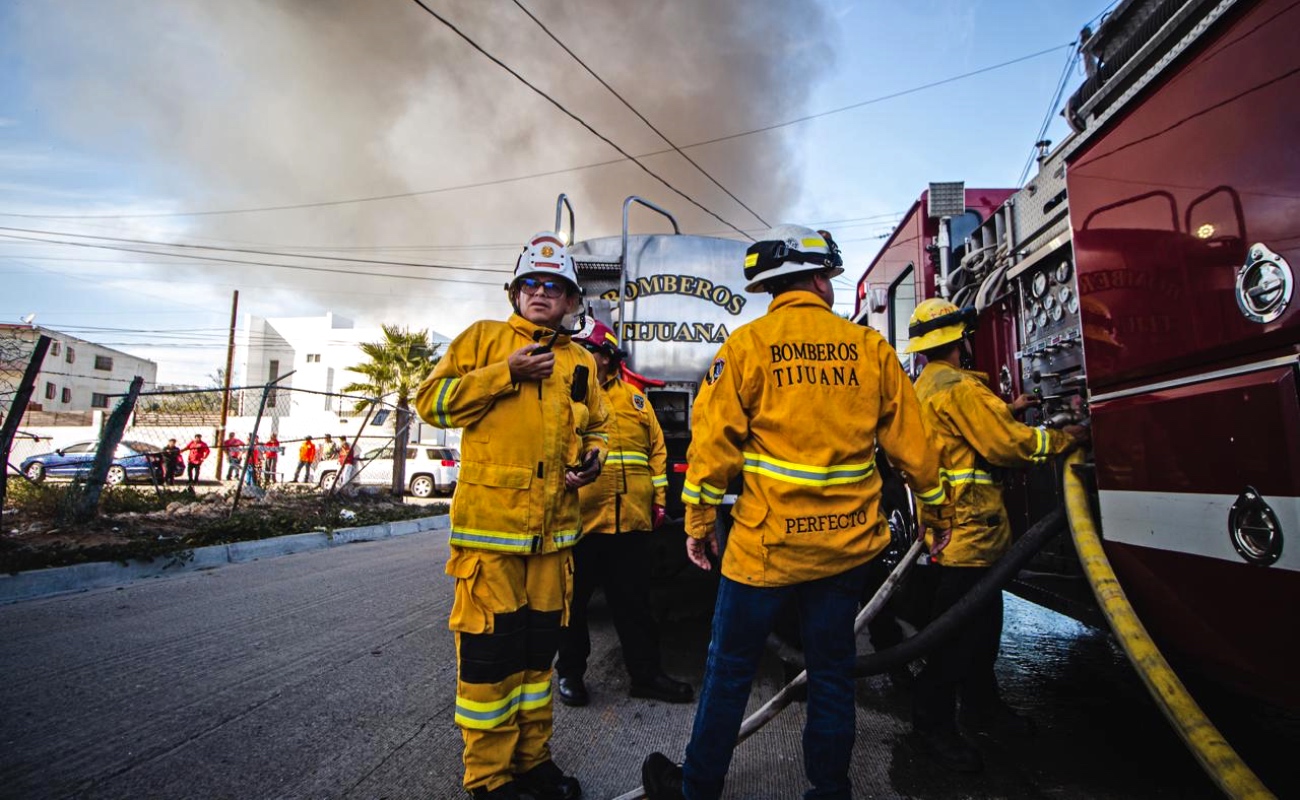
(657, 516)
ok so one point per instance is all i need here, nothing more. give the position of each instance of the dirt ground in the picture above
(37, 529)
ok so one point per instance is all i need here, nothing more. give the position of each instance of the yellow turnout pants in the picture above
(506, 615)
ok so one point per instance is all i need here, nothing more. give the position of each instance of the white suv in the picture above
(430, 469)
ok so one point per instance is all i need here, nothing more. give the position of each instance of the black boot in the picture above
(948, 749)
(999, 717)
(572, 691)
(546, 782)
(662, 687)
(661, 778)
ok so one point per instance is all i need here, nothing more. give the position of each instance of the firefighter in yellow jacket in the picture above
(533, 432)
(977, 437)
(795, 402)
(620, 511)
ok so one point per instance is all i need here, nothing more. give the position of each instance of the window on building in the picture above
(49, 391)
(98, 400)
(313, 358)
(104, 363)
(72, 356)
(56, 348)
(67, 395)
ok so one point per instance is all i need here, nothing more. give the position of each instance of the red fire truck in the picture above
(1142, 281)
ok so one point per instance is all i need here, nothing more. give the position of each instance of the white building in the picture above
(317, 350)
(76, 375)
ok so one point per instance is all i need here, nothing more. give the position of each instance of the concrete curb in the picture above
(39, 583)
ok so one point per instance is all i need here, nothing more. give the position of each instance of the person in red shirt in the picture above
(196, 452)
(347, 463)
(234, 447)
(270, 458)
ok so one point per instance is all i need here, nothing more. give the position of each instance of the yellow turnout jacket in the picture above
(974, 430)
(636, 470)
(797, 401)
(517, 439)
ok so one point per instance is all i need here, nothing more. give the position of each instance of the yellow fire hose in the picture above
(1217, 757)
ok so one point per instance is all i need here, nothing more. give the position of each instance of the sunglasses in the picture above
(532, 286)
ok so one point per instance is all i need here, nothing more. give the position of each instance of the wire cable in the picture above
(638, 114)
(576, 118)
(1051, 109)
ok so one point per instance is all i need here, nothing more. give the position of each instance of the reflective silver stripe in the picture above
(805, 474)
(627, 457)
(701, 494)
(933, 497)
(492, 540)
(659, 480)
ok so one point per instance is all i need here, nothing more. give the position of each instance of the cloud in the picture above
(244, 103)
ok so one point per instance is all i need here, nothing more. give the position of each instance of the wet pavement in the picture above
(331, 674)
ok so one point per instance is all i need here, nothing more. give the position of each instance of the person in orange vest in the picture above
(534, 427)
(620, 511)
(306, 460)
(196, 452)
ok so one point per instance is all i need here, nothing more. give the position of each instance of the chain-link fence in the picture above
(273, 436)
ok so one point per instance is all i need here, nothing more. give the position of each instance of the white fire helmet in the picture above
(546, 254)
(790, 249)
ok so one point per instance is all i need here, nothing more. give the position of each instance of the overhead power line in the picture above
(638, 114)
(250, 251)
(576, 118)
(248, 263)
(548, 173)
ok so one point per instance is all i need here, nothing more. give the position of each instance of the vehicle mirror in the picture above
(59, 451)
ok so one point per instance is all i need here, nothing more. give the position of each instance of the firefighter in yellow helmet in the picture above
(533, 423)
(976, 435)
(620, 511)
(794, 403)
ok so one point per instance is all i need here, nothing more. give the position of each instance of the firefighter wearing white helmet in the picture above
(534, 421)
(978, 438)
(795, 403)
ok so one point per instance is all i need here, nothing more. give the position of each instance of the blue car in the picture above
(131, 461)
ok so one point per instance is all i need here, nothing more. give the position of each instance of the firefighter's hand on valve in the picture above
(527, 366)
(1023, 402)
(657, 516)
(1082, 433)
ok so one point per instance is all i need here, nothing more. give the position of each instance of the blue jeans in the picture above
(742, 619)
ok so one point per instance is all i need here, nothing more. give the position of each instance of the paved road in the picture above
(330, 675)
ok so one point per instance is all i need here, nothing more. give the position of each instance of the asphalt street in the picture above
(330, 674)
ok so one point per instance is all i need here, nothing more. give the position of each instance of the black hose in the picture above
(940, 629)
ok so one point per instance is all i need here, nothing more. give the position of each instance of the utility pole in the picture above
(225, 395)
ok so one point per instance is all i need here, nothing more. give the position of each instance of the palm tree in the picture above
(397, 367)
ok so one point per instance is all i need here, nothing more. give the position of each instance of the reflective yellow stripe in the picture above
(485, 716)
(601, 436)
(958, 477)
(627, 457)
(813, 242)
(441, 415)
(806, 474)
(751, 259)
(1043, 441)
(659, 480)
(703, 493)
(502, 541)
(933, 497)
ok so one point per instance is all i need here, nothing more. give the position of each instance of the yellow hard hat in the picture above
(936, 322)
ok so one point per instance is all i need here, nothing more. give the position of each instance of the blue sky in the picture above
(115, 110)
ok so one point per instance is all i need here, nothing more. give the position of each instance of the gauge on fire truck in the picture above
(1029, 325)
(1041, 319)
(1072, 305)
(1057, 312)
(1063, 294)
(1063, 272)
(1039, 285)
(1049, 302)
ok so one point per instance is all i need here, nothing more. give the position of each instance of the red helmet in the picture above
(598, 336)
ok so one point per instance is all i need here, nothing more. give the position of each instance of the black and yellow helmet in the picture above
(788, 250)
